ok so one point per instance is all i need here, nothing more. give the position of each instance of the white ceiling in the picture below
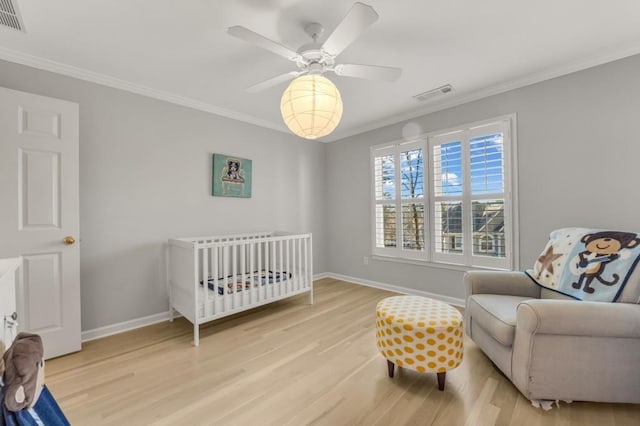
(179, 50)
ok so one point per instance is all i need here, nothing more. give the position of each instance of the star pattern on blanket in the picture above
(546, 260)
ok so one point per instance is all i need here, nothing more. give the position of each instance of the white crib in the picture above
(212, 277)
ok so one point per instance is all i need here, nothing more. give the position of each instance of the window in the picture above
(447, 197)
(399, 188)
(486, 244)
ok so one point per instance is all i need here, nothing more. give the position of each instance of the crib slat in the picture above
(206, 309)
(252, 296)
(288, 265)
(310, 268)
(274, 256)
(281, 281)
(234, 275)
(216, 275)
(301, 280)
(267, 265)
(243, 271)
(294, 284)
(309, 263)
(225, 278)
(259, 279)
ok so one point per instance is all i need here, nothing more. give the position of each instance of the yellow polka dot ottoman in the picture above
(419, 333)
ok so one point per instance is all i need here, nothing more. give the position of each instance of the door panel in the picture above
(42, 291)
(39, 122)
(39, 208)
(39, 189)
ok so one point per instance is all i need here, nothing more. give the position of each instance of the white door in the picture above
(39, 214)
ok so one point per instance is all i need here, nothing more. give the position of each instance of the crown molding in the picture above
(116, 83)
(527, 80)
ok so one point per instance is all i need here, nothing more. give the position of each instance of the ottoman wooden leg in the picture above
(441, 377)
(390, 366)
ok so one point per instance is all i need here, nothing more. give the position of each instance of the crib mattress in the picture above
(250, 279)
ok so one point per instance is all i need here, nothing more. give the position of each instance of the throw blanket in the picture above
(587, 264)
(46, 412)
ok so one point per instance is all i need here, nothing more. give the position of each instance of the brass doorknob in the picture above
(68, 240)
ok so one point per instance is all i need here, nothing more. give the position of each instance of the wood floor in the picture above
(290, 364)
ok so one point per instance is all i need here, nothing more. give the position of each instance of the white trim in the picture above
(603, 57)
(396, 289)
(116, 83)
(432, 264)
(121, 327)
(321, 276)
(527, 80)
(514, 190)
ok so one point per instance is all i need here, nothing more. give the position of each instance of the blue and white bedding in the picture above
(257, 278)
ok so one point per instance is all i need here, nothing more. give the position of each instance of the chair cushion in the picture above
(496, 314)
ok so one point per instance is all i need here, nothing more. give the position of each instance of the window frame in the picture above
(467, 259)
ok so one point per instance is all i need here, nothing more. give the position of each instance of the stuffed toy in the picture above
(24, 372)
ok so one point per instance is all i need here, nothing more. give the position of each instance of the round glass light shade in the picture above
(311, 106)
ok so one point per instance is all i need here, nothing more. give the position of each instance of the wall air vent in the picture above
(430, 93)
(10, 15)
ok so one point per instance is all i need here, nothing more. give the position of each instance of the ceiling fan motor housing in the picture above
(312, 55)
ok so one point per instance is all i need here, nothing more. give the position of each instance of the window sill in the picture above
(440, 265)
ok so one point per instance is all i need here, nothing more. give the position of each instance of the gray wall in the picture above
(578, 144)
(145, 176)
(145, 171)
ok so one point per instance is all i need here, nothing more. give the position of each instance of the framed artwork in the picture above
(231, 176)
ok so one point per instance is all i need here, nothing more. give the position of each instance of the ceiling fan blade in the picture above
(358, 19)
(274, 81)
(369, 72)
(261, 41)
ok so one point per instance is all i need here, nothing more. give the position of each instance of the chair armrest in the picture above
(500, 282)
(576, 318)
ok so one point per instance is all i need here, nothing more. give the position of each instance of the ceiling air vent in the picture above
(430, 93)
(10, 15)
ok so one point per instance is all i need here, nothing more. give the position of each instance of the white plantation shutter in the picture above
(489, 200)
(447, 159)
(412, 196)
(384, 181)
(399, 200)
(469, 200)
(447, 199)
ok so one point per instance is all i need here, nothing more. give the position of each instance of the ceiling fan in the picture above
(318, 58)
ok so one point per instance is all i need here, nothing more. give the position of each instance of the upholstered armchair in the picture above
(553, 347)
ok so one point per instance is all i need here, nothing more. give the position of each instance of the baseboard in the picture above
(402, 290)
(321, 276)
(121, 327)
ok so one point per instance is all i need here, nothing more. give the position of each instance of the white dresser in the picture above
(8, 317)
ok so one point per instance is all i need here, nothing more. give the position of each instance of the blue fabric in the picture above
(45, 412)
(588, 264)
